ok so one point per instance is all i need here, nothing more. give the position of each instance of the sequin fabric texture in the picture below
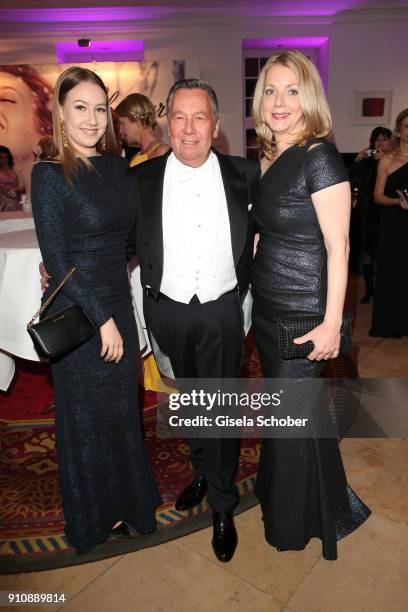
(105, 474)
(301, 483)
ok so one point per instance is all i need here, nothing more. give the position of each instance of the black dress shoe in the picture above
(225, 538)
(192, 494)
(120, 532)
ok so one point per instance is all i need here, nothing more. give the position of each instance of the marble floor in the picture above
(370, 575)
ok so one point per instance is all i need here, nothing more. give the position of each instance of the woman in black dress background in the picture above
(365, 220)
(83, 217)
(390, 307)
(300, 267)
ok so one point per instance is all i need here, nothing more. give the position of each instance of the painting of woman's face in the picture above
(18, 129)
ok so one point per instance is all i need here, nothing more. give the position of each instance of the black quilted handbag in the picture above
(294, 327)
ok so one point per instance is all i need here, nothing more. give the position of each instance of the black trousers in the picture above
(204, 341)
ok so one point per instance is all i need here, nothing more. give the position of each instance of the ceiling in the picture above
(20, 17)
(268, 7)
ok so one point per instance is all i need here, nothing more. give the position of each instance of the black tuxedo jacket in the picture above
(240, 178)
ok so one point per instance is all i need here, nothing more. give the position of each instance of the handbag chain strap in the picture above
(51, 297)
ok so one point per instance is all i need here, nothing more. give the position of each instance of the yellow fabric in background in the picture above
(152, 379)
(138, 159)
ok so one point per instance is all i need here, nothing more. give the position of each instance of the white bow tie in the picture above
(204, 172)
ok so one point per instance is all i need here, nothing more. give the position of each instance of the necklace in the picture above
(154, 146)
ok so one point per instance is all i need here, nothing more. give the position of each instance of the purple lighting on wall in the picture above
(292, 43)
(100, 50)
(75, 15)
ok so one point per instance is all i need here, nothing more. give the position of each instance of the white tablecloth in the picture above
(14, 221)
(20, 293)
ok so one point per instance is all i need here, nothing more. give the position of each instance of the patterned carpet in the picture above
(31, 520)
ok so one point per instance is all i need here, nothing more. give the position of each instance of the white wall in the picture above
(363, 55)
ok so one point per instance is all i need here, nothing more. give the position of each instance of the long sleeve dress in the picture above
(105, 475)
(301, 483)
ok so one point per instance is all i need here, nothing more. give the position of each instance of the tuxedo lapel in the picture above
(151, 192)
(236, 193)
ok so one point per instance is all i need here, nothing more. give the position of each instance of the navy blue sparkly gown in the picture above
(301, 483)
(105, 475)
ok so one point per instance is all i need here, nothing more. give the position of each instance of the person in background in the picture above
(9, 189)
(45, 146)
(366, 213)
(300, 268)
(44, 150)
(84, 216)
(25, 115)
(137, 121)
(390, 306)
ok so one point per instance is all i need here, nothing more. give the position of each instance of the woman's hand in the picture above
(112, 343)
(44, 277)
(326, 340)
(361, 154)
(402, 200)
(256, 240)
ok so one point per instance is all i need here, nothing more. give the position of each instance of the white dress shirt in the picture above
(197, 257)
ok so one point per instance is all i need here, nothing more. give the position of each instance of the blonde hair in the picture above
(138, 107)
(317, 121)
(395, 139)
(63, 147)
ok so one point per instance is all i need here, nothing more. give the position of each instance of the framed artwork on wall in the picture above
(372, 107)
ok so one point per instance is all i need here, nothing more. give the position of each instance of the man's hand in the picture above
(44, 277)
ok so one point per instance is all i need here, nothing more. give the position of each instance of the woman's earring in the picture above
(64, 136)
(103, 142)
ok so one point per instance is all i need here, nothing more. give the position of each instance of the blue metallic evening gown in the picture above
(105, 475)
(301, 483)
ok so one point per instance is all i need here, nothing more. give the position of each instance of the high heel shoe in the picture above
(120, 532)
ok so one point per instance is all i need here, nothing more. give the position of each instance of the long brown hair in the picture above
(316, 114)
(67, 154)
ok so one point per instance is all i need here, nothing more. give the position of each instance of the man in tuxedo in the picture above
(194, 244)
